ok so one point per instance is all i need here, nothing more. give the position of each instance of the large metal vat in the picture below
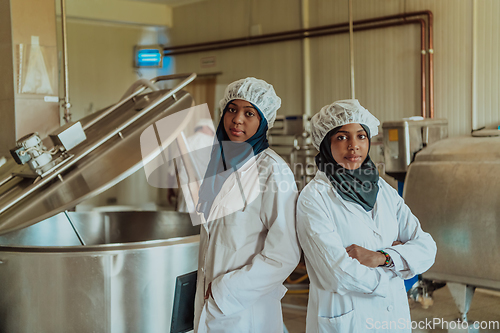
(122, 280)
(453, 188)
(64, 271)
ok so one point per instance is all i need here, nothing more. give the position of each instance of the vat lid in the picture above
(460, 149)
(415, 122)
(110, 153)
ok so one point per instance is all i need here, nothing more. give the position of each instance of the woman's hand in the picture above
(364, 256)
(209, 291)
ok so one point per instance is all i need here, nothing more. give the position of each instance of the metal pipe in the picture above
(431, 63)
(250, 38)
(430, 20)
(474, 67)
(351, 50)
(301, 33)
(311, 33)
(306, 60)
(6, 179)
(66, 105)
(346, 30)
(284, 33)
(422, 66)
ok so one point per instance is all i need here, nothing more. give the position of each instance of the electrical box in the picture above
(68, 136)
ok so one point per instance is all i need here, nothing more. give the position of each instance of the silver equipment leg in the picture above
(462, 295)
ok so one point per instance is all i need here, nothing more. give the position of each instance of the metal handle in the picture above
(188, 79)
(138, 83)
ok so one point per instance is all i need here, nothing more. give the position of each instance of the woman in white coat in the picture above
(248, 242)
(359, 238)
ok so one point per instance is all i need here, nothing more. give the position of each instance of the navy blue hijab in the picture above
(228, 155)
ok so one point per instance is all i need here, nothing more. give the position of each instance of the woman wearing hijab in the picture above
(248, 243)
(359, 238)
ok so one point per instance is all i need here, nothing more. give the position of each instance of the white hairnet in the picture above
(258, 92)
(341, 113)
(205, 122)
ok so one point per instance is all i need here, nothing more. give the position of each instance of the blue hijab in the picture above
(228, 155)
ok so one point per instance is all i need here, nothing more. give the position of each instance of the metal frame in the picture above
(163, 97)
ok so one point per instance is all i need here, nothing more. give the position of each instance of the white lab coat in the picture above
(247, 254)
(344, 295)
(195, 142)
(199, 145)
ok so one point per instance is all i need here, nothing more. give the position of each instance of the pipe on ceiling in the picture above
(360, 25)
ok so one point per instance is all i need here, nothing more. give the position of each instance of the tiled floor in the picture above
(485, 307)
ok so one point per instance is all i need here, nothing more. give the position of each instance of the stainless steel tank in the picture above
(122, 280)
(404, 138)
(64, 271)
(453, 188)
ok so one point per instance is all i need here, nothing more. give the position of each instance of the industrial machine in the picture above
(452, 187)
(291, 139)
(63, 271)
(403, 139)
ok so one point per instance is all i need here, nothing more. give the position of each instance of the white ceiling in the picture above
(172, 3)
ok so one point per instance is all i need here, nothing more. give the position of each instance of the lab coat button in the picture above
(389, 308)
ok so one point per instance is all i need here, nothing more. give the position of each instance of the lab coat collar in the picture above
(231, 187)
(370, 218)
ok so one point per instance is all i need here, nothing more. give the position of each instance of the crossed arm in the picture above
(367, 257)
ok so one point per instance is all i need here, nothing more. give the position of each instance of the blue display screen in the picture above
(148, 58)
